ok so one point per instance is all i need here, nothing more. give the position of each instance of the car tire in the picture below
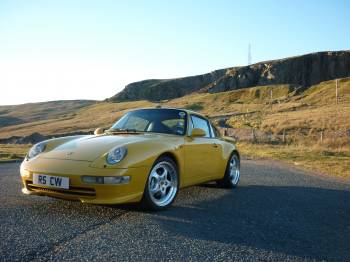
(232, 172)
(162, 185)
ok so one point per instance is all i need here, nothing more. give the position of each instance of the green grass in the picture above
(195, 107)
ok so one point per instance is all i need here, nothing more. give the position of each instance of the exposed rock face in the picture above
(156, 89)
(302, 71)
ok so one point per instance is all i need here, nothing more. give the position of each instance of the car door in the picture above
(221, 162)
(202, 154)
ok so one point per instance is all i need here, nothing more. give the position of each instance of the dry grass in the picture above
(85, 119)
(324, 93)
(30, 112)
(9, 151)
(289, 110)
(303, 115)
(317, 159)
(329, 117)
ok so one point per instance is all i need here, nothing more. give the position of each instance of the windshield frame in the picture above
(131, 131)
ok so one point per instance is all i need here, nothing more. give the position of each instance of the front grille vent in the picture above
(73, 191)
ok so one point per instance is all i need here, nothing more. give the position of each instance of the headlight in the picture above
(116, 155)
(36, 150)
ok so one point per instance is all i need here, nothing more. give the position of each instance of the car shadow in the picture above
(299, 221)
(308, 222)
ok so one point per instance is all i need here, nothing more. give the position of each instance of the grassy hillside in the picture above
(25, 113)
(300, 115)
(288, 109)
(84, 119)
(308, 112)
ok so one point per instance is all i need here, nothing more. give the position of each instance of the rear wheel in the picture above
(162, 185)
(232, 173)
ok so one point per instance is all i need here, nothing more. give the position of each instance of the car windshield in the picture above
(167, 121)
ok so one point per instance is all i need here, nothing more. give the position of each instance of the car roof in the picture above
(174, 108)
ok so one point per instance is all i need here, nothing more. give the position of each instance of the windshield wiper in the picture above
(123, 130)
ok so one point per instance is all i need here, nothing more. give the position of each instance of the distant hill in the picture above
(292, 109)
(300, 71)
(303, 102)
(160, 89)
(25, 113)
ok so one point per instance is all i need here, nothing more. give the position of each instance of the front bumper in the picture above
(88, 193)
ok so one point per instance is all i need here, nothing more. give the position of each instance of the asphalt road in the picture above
(277, 213)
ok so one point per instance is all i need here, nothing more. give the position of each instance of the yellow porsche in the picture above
(146, 156)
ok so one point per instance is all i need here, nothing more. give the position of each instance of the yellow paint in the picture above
(199, 160)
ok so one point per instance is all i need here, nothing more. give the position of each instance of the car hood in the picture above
(89, 148)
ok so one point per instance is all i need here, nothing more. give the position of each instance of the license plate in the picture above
(51, 181)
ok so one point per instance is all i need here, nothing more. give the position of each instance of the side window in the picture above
(177, 126)
(198, 122)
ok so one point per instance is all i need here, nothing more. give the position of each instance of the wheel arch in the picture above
(235, 151)
(172, 156)
(177, 161)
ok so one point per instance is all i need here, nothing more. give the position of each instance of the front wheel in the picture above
(232, 173)
(162, 185)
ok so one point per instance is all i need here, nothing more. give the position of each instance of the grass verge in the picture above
(323, 160)
(13, 151)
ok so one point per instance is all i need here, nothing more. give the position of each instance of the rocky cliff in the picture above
(159, 89)
(304, 71)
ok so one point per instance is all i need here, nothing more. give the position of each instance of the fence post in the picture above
(253, 136)
(284, 136)
(336, 91)
(271, 98)
(321, 136)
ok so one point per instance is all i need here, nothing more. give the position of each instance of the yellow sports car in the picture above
(146, 156)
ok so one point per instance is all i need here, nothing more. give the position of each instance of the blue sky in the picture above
(51, 50)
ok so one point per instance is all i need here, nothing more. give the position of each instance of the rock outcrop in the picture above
(160, 89)
(304, 71)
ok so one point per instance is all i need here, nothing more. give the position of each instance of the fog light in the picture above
(112, 180)
(92, 179)
(105, 179)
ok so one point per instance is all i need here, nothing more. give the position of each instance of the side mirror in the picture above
(197, 132)
(99, 131)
